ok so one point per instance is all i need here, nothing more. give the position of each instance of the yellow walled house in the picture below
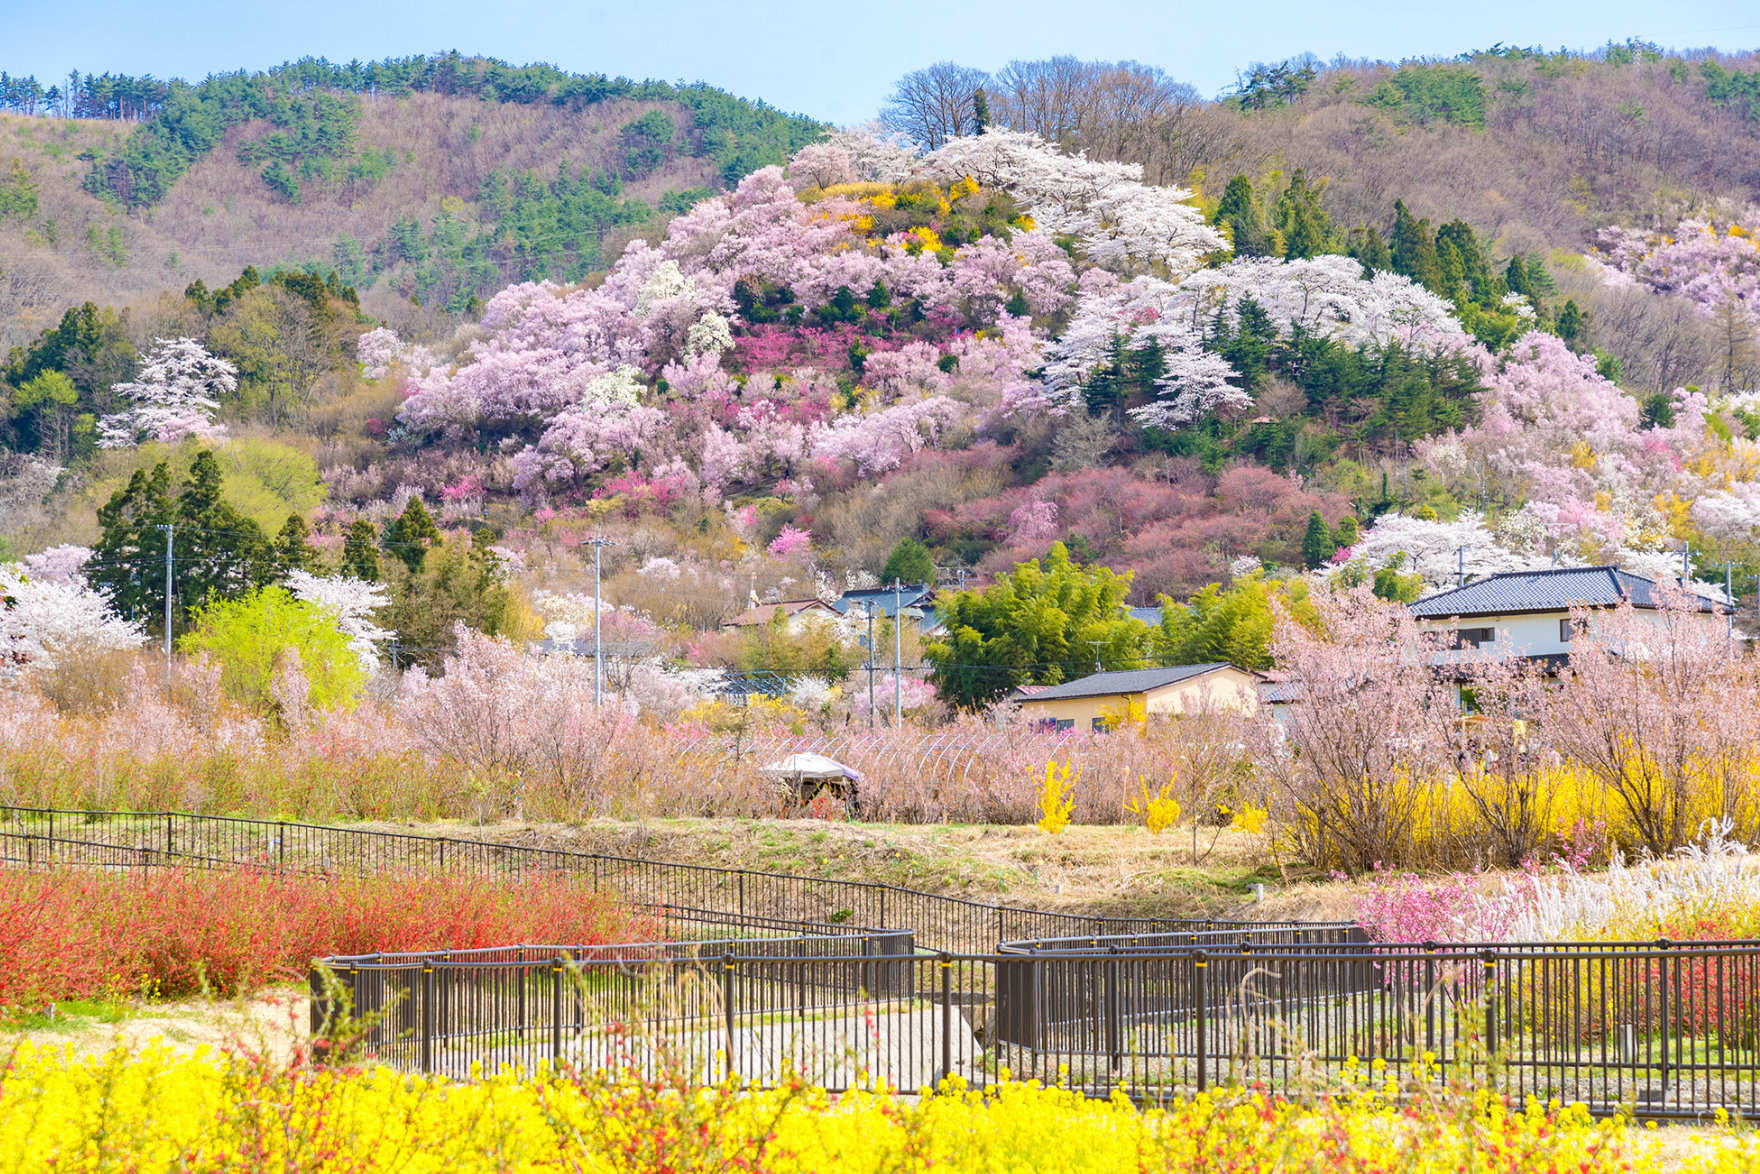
(1094, 702)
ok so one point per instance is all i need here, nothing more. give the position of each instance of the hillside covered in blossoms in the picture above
(935, 347)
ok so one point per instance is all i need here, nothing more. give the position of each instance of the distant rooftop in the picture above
(1129, 681)
(882, 600)
(1557, 589)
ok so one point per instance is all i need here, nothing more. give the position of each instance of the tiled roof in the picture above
(1558, 589)
(882, 599)
(1131, 681)
(760, 615)
(1149, 615)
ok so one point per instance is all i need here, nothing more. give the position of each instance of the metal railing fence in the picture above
(40, 838)
(1659, 1030)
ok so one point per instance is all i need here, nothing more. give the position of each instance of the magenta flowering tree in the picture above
(790, 542)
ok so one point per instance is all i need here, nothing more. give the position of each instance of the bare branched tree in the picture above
(933, 105)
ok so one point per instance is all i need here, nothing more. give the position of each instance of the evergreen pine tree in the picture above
(1249, 347)
(909, 562)
(1103, 389)
(408, 538)
(220, 553)
(129, 559)
(1412, 247)
(980, 111)
(1346, 532)
(1573, 326)
(1306, 228)
(1239, 212)
(1369, 249)
(360, 552)
(293, 547)
(1477, 275)
(1317, 544)
(1515, 278)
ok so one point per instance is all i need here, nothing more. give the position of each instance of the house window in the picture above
(1565, 628)
(1066, 723)
(1474, 637)
(1099, 726)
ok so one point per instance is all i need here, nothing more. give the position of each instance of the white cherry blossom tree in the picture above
(176, 395)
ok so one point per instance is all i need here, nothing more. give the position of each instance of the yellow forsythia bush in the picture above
(155, 1111)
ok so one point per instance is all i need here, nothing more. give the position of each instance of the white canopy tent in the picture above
(806, 774)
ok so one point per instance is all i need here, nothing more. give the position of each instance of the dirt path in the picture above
(270, 1022)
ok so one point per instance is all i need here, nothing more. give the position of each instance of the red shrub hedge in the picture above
(76, 934)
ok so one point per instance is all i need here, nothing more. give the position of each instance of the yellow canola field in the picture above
(156, 1111)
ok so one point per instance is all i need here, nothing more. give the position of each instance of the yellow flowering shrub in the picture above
(1056, 803)
(155, 1111)
(1159, 811)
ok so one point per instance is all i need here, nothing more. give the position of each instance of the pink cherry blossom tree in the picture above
(1351, 759)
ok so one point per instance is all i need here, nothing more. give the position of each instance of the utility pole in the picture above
(1098, 645)
(897, 653)
(168, 528)
(868, 606)
(1730, 598)
(597, 544)
(1686, 563)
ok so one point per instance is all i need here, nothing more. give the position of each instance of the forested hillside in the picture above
(424, 182)
(1067, 324)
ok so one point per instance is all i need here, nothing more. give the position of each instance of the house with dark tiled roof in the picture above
(795, 614)
(1532, 609)
(1091, 702)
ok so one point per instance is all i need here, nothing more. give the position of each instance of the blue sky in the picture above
(832, 61)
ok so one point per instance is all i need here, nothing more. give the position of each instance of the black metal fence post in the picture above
(427, 1015)
(1488, 960)
(1111, 1004)
(556, 969)
(1664, 945)
(1199, 962)
(519, 995)
(1429, 996)
(946, 1017)
(728, 1013)
(320, 1002)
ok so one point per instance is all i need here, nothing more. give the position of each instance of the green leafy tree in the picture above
(250, 637)
(279, 176)
(460, 581)
(1515, 277)
(1303, 224)
(1232, 625)
(1041, 624)
(1346, 532)
(1573, 325)
(54, 398)
(909, 562)
(408, 537)
(1317, 543)
(360, 552)
(1391, 585)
